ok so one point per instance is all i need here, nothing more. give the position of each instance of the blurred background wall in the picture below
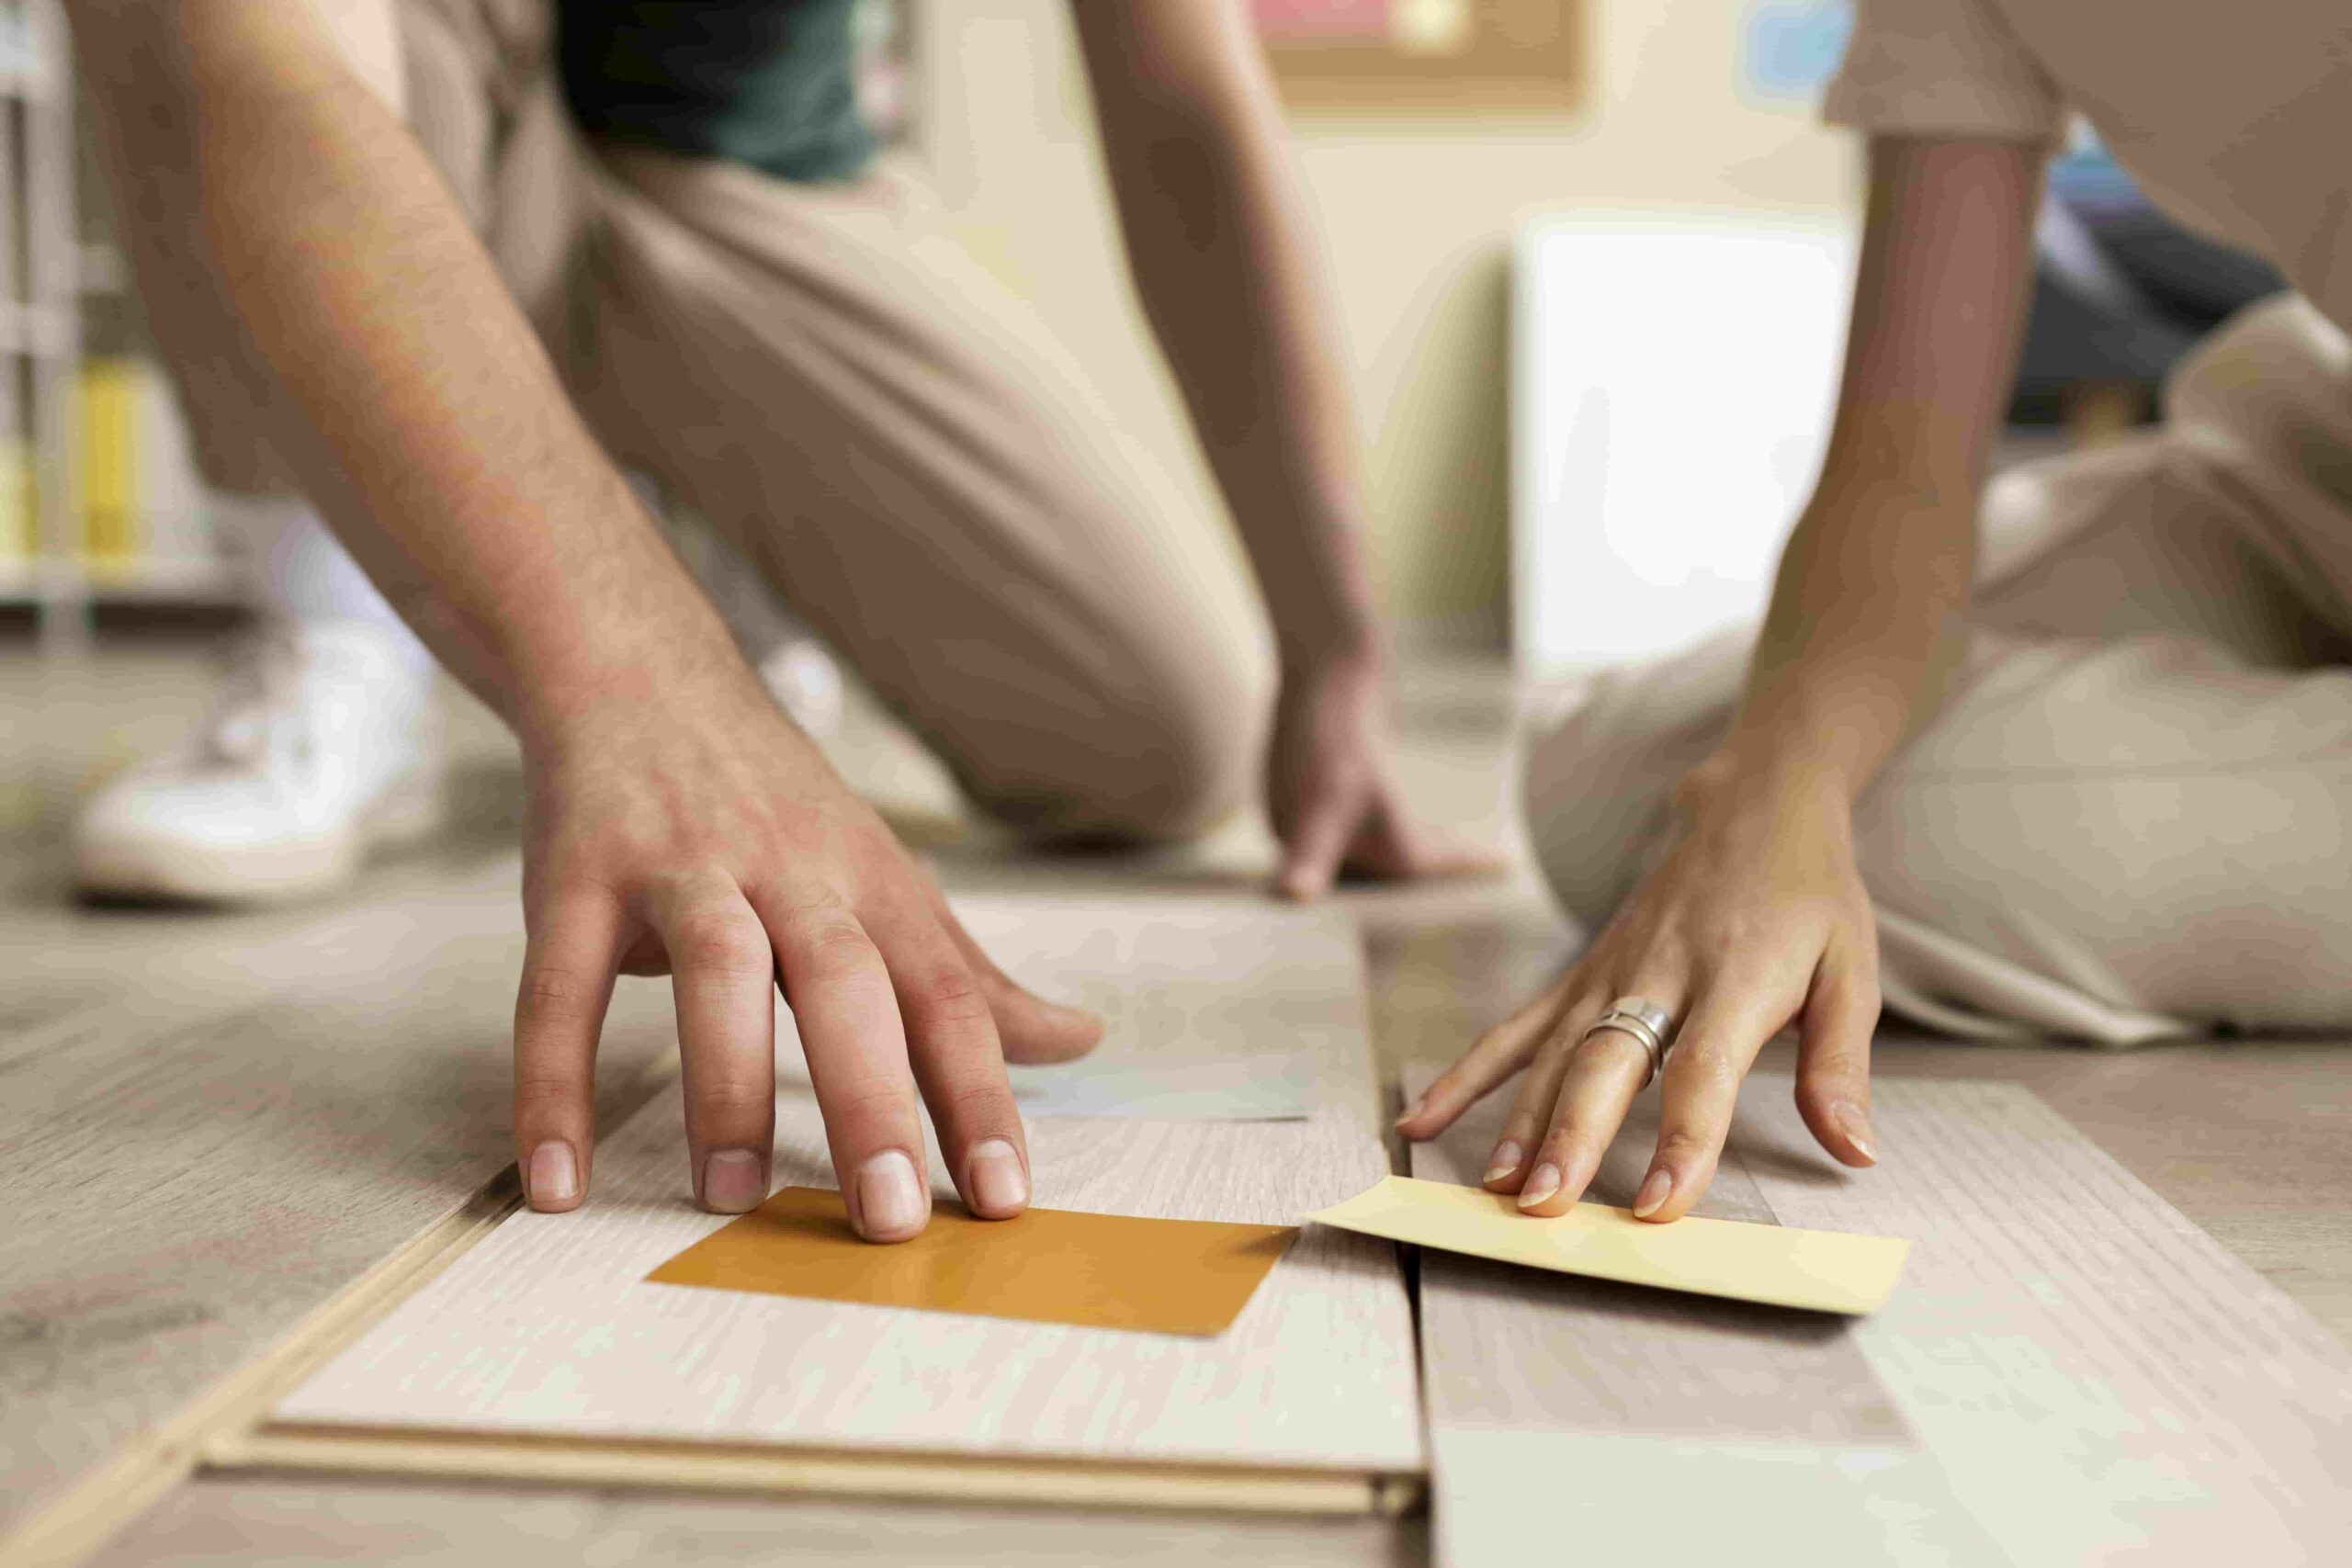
(1417, 206)
(1415, 201)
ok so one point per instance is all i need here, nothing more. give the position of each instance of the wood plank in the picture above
(261, 1520)
(789, 1470)
(547, 1327)
(2071, 1369)
(201, 1154)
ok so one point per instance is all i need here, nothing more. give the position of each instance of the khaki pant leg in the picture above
(2133, 821)
(908, 455)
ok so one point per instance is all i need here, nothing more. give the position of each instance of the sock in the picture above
(292, 566)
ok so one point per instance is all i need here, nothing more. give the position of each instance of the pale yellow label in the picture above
(1820, 1271)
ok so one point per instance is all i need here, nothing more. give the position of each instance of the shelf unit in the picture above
(46, 271)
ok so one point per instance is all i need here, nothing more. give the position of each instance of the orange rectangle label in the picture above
(1188, 1277)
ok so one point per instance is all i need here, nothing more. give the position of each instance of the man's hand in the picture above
(702, 836)
(1332, 793)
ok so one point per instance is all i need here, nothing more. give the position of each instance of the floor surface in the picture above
(2252, 1140)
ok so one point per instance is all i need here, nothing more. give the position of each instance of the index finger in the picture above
(559, 1005)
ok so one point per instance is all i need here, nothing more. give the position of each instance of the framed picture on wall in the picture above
(1438, 54)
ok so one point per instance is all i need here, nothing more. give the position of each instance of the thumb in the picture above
(1029, 1027)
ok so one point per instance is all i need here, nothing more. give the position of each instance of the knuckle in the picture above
(1682, 1143)
(719, 944)
(1610, 1046)
(730, 1100)
(538, 1087)
(976, 1102)
(952, 996)
(867, 1102)
(835, 947)
(551, 993)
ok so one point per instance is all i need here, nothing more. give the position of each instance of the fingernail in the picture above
(1539, 1186)
(1656, 1190)
(997, 1182)
(553, 1176)
(1505, 1159)
(1412, 1111)
(731, 1183)
(889, 1200)
(1855, 1125)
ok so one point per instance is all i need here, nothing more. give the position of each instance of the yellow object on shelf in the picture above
(110, 401)
(19, 530)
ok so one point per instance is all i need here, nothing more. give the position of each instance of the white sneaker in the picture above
(322, 742)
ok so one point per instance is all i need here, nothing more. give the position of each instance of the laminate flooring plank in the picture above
(263, 1521)
(2070, 1371)
(547, 1326)
(193, 1165)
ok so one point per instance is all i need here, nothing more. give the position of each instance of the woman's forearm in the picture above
(1864, 629)
(295, 224)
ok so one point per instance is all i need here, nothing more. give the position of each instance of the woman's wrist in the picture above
(1744, 776)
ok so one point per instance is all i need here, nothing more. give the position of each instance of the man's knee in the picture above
(1173, 758)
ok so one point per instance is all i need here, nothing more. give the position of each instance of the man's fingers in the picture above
(1403, 849)
(951, 1045)
(559, 1013)
(1833, 1058)
(1311, 859)
(1029, 1027)
(1498, 1054)
(1728, 1024)
(723, 977)
(842, 997)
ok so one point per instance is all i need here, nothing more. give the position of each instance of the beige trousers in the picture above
(897, 442)
(2134, 819)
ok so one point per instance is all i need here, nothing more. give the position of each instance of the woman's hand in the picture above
(1332, 793)
(698, 834)
(1756, 919)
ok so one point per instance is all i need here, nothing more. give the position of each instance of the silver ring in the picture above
(1643, 1021)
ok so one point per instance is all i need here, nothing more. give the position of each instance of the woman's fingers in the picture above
(1516, 1163)
(559, 1013)
(723, 981)
(1498, 1054)
(1604, 1070)
(847, 1009)
(1394, 846)
(1728, 1023)
(1834, 1056)
(958, 1064)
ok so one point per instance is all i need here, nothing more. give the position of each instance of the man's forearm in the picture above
(1222, 259)
(406, 389)
(1865, 625)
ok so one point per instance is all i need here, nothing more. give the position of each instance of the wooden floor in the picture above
(209, 1126)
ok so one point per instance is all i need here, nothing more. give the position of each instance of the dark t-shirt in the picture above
(768, 83)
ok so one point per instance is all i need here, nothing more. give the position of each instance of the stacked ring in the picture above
(1645, 1023)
